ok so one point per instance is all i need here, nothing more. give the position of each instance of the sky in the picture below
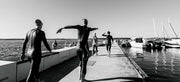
(123, 18)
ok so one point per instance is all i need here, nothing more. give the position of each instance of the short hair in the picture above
(85, 20)
(108, 32)
(38, 21)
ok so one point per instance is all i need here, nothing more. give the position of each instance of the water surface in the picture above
(161, 66)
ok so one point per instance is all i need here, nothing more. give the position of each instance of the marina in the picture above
(120, 67)
(155, 66)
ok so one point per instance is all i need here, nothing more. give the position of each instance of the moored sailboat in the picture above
(172, 43)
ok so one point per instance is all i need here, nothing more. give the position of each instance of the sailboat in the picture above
(172, 43)
(155, 43)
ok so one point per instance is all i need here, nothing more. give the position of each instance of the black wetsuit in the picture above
(95, 46)
(83, 48)
(109, 38)
(35, 36)
(83, 34)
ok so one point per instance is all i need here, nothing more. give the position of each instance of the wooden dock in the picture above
(114, 68)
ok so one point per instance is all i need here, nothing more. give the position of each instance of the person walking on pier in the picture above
(95, 44)
(35, 37)
(83, 49)
(109, 41)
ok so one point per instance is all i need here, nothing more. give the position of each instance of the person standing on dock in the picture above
(95, 44)
(54, 44)
(109, 41)
(35, 37)
(83, 48)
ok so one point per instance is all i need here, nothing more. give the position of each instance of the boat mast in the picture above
(155, 28)
(164, 33)
(172, 28)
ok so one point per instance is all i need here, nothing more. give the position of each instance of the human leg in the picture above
(84, 63)
(109, 49)
(36, 68)
(31, 76)
(93, 51)
(96, 49)
(79, 53)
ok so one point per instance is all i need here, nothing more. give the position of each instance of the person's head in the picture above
(108, 32)
(85, 22)
(38, 23)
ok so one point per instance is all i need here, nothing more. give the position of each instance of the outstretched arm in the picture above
(68, 27)
(92, 29)
(104, 34)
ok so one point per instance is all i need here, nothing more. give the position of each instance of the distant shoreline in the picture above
(47, 39)
(56, 38)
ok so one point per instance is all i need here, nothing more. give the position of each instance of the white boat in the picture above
(172, 43)
(177, 40)
(137, 42)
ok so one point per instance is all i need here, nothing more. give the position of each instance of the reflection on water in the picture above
(172, 64)
(161, 66)
(156, 62)
(134, 52)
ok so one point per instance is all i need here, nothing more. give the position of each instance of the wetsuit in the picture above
(83, 48)
(83, 52)
(108, 42)
(94, 44)
(35, 36)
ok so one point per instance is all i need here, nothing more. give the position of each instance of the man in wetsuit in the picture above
(95, 44)
(35, 37)
(83, 49)
(109, 41)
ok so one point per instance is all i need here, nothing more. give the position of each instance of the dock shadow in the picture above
(131, 79)
(57, 72)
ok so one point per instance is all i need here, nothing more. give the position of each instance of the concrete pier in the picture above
(103, 68)
(117, 67)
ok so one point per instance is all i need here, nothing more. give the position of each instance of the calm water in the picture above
(12, 49)
(161, 66)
